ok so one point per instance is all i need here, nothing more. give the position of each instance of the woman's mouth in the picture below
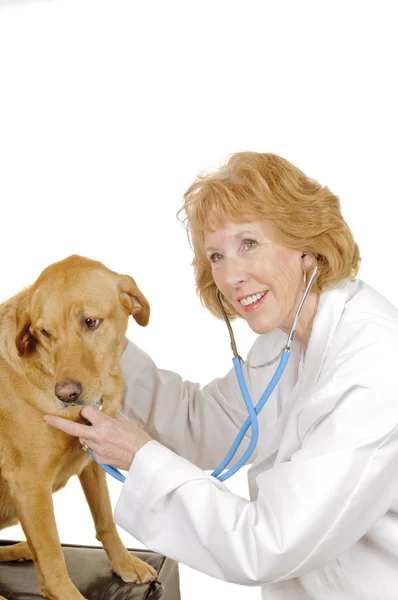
(251, 304)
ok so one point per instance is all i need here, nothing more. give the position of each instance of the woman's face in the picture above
(261, 279)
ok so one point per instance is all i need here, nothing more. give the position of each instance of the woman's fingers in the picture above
(67, 426)
(93, 415)
(112, 441)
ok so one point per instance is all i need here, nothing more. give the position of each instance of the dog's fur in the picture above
(45, 339)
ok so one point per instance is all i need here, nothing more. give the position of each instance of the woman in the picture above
(321, 523)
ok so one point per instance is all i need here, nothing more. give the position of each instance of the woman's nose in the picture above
(235, 272)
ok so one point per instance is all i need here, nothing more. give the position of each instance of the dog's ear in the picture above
(24, 340)
(134, 300)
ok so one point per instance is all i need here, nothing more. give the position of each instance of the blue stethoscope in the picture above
(253, 411)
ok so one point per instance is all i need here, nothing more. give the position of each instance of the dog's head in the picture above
(71, 326)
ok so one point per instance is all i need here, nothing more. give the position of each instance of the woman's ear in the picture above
(308, 260)
(134, 300)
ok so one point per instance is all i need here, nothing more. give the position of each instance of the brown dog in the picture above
(60, 344)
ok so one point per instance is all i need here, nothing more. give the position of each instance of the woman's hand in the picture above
(114, 442)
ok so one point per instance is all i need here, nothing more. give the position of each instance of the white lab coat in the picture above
(322, 521)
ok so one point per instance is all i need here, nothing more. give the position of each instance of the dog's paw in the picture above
(15, 552)
(132, 569)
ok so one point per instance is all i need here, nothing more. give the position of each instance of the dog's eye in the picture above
(93, 323)
(45, 333)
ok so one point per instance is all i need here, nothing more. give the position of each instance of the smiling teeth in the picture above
(251, 299)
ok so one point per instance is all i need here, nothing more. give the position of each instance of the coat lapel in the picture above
(330, 308)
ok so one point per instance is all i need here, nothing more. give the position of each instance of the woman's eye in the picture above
(93, 323)
(250, 244)
(215, 257)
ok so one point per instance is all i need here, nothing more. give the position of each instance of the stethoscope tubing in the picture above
(251, 420)
(108, 469)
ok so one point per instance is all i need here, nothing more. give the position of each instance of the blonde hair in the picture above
(251, 186)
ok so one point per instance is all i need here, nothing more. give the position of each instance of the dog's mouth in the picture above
(98, 404)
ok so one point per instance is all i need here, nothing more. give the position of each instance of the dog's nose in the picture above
(68, 391)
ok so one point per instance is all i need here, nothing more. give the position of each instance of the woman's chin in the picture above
(260, 327)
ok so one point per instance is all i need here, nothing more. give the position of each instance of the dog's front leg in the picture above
(128, 567)
(33, 501)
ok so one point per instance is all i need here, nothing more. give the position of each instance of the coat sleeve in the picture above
(308, 510)
(198, 424)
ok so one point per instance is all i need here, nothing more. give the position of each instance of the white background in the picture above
(109, 109)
